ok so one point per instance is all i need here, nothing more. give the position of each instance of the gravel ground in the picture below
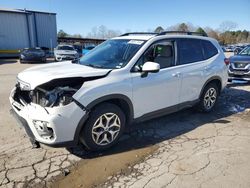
(206, 150)
(180, 150)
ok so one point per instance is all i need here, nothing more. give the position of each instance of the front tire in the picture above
(103, 128)
(208, 98)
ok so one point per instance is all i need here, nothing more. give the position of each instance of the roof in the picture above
(166, 34)
(136, 37)
(23, 11)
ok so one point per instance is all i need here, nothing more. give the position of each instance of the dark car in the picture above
(30, 55)
(239, 67)
(87, 49)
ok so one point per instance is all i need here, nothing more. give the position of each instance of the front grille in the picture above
(240, 65)
(238, 70)
(68, 55)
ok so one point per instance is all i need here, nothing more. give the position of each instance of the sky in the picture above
(80, 16)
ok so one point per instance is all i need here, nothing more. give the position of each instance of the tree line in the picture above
(225, 34)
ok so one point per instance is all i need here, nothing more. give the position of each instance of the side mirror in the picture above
(150, 67)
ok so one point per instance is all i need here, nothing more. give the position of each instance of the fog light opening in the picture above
(43, 130)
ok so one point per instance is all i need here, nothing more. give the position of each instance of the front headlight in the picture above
(23, 85)
(60, 96)
(22, 56)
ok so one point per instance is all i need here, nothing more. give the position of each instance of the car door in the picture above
(156, 91)
(191, 66)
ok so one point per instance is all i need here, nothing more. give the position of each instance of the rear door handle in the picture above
(177, 74)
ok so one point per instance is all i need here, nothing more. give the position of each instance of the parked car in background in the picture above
(238, 49)
(239, 65)
(78, 48)
(87, 49)
(127, 79)
(31, 55)
(65, 52)
(229, 49)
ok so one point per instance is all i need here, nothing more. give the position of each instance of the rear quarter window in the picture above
(189, 51)
(209, 49)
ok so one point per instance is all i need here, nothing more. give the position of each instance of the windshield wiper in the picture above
(94, 66)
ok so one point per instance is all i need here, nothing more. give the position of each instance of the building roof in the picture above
(23, 11)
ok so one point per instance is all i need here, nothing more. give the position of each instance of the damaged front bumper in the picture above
(54, 126)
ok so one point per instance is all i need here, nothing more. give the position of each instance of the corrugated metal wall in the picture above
(13, 31)
(30, 29)
(46, 29)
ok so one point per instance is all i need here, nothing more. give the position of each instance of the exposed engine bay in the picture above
(57, 92)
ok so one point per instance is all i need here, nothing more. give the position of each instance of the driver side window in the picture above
(160, 52)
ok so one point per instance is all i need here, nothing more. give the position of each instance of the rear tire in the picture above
(208, 98)
(103, 128)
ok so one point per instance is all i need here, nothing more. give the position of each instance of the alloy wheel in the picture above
(210, 98)
(106, 128)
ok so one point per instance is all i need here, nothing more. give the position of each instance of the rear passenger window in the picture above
(189, 51)
(209, 49)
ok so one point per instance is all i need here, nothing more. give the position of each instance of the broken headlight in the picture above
(59, 96)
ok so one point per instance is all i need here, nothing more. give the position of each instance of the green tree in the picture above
(183, 27)
(201, 31)
(77, 36)
(159, 29)
(61, 33)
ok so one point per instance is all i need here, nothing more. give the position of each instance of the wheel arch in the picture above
(120, 100)
(215, 79)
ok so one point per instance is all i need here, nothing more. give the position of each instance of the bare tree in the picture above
(212, 33)
(227, 26)
(102, 32)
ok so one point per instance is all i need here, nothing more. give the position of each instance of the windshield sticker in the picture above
(138, 42)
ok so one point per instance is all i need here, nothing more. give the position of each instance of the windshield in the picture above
(113, 54)
(65, 48)
(33, 50)
(245, 51)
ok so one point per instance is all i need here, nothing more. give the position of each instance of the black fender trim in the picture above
(113, 97)
(209, 80)
(96, 102)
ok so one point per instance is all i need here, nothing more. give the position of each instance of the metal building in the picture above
(26, 28)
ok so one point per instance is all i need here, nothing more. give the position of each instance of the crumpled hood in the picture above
(239, 58)
(38, 75)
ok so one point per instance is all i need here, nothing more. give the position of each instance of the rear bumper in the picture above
(55, 126)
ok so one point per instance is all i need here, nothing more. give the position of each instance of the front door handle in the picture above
(177, 74)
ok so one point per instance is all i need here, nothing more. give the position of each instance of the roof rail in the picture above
(181, 32)
(138, 33)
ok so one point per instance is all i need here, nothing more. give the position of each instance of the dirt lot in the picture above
(185, 149)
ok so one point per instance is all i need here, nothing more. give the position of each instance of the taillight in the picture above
(226, 61)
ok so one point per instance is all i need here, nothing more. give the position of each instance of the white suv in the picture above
(65, 52)
(130, 78)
